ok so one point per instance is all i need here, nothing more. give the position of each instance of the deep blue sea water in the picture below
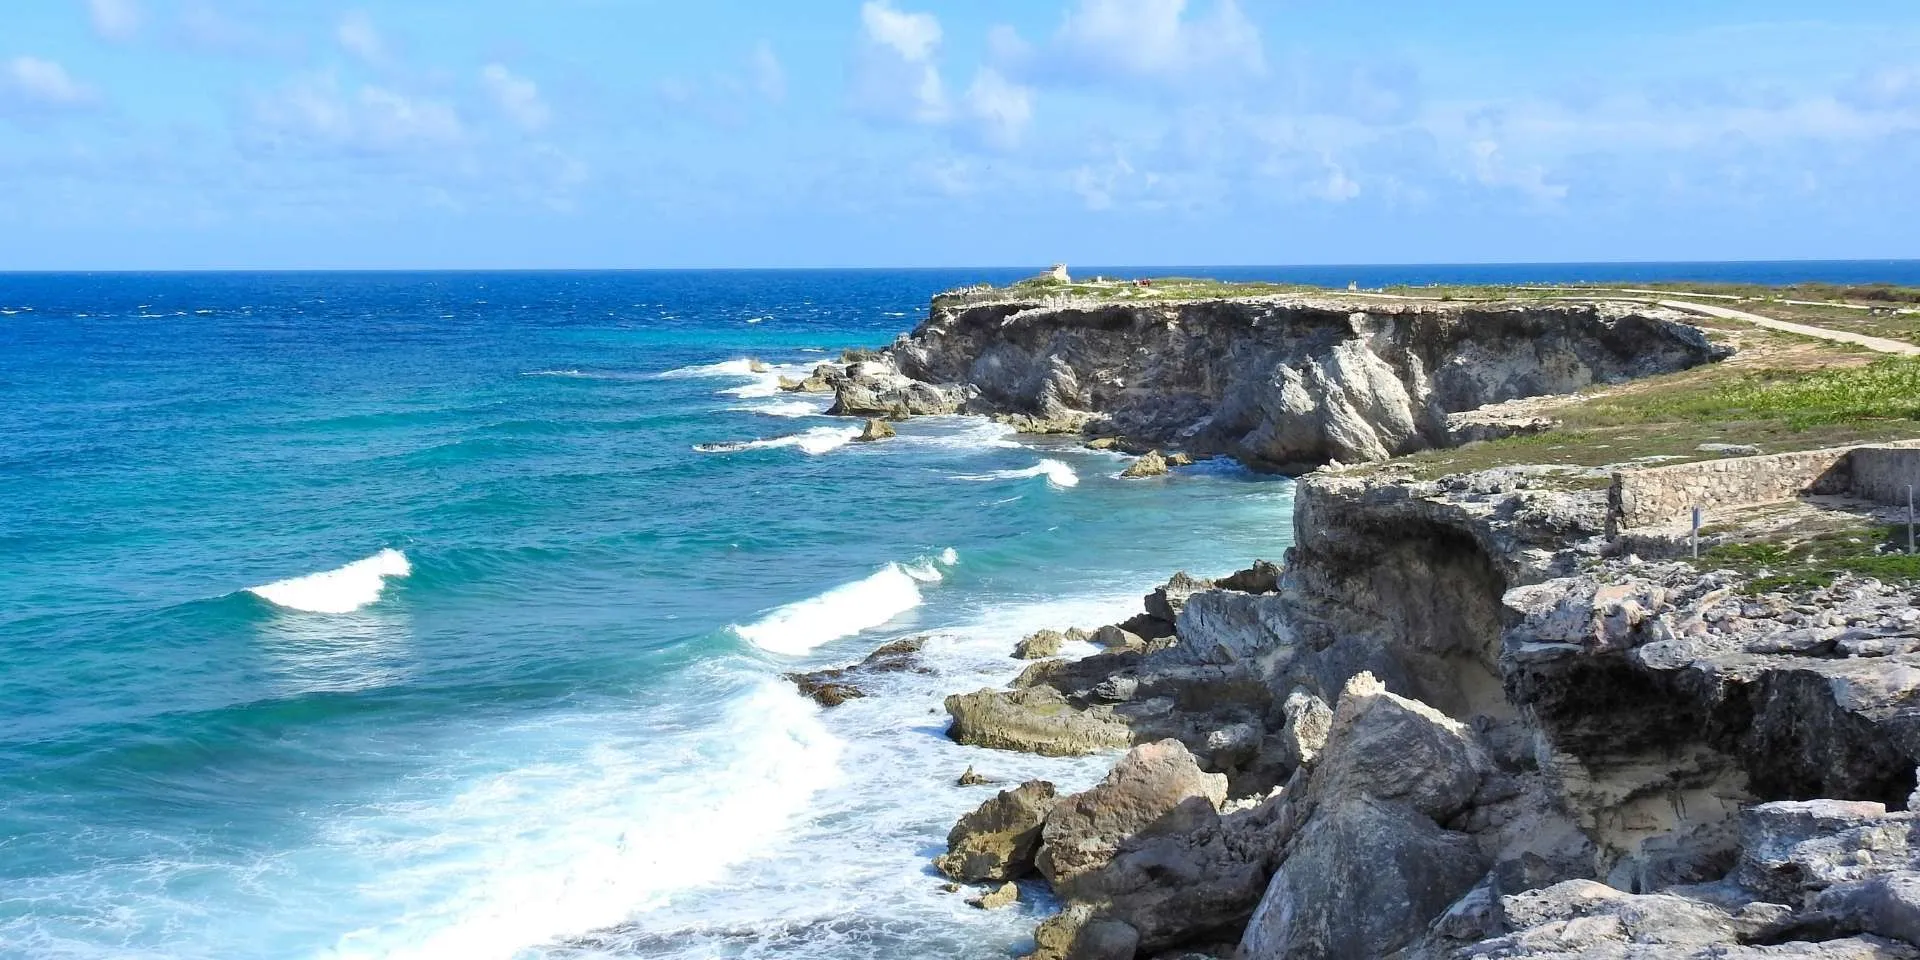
(443, 615)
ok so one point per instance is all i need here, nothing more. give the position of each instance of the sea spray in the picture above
(342, 590)
(812, 442)
(845, 610)
(1059, 475)
(537, 853)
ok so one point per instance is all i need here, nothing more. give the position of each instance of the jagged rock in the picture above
(874, 429)
(1156, 786)
(835, 686)
(758, 366)
(1102, 443)
(1077, 635)
(968, 778)
(1150, 464)
(1790, 850)
(1885, 906)
(1371, 867)
(873, 388)
(1036, 719)
(1262, 577)
(997, 840)
(1039, 645)
(1166, 600)
(821, 380)
(1004, 895)
(1309, 720)
(1179, 459)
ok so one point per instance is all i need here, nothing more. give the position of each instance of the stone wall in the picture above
(1655, 496)
(1882, 473)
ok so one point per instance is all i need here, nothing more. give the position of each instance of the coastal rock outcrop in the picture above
(998, 840)
(1280, 382)
(834, 686)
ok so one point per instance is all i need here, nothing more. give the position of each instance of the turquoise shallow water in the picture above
(509, 685)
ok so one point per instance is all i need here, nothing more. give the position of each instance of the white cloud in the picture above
(358, 36)
(895, 74)
(316, 112)
(516, 96)
(1156, 40)
(1002, 108)
(39, 85)
(114, 19)
(769, 77)
(914, 36)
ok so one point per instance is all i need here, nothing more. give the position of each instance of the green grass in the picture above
(1886, 389)
(1798, 563)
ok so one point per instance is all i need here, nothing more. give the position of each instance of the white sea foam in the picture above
(341, 590)
(764, 382)
(785, 408)
(726, 368)
(812, 442)
(1059, 475)
(608, 823)
(843, 611)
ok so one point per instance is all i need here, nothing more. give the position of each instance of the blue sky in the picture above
(634, 133)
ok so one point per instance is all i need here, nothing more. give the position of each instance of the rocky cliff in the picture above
(1281, 382)
(1455, 726)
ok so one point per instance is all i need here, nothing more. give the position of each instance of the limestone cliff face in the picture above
(1283, 383)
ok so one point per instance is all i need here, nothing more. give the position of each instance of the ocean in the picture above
(445, 614)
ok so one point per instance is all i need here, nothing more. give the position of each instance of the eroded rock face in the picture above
(1033, 720)
(873, 388)
(998, 840)
(1284, 383)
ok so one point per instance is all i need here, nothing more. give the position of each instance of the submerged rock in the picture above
(835, 686)
(874, 429)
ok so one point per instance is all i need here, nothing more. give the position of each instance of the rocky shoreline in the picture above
(1461, 718)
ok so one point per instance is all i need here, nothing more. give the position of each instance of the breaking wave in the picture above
(846, 609)
(1059, 475)
(341, 590)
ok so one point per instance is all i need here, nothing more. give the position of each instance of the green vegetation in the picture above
(1803, 560)
(1807, 397)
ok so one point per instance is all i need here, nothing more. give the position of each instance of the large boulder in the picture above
(1363, 878)
(1156, 787)
(1039, 645)
(997, 841)
(1370, 866)
(1036, 719)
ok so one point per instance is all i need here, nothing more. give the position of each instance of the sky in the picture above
(189, 134)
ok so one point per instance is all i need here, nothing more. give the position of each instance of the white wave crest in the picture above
(841, 612)
(812, 442)
(1059, 475)
(342, 590)
(784, 408)
(726, 368)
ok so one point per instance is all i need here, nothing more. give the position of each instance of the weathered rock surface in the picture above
(1033, 720)
(998, 840)
(874, 429)
(1283, 382)
(1149, 464)
(1004, 895)
(873, 388)
(1039, 645)
(835, 686)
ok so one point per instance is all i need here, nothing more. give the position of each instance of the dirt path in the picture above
(1878, 344)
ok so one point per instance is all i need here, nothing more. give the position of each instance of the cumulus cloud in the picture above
(895, 76)
(516, 96)
(318, 113)
(357, 35)
(114, 19)
(1156, 41)
(33, 85)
